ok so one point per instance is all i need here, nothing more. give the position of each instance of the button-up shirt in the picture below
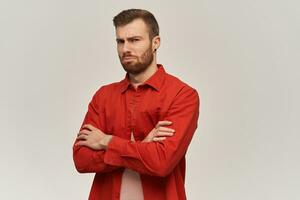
(120, 109)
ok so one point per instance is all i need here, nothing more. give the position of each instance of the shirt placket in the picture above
(134, 101)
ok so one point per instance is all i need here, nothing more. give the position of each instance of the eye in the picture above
(134, 40)
(120, 41)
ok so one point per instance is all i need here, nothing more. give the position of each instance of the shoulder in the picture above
(107, 90)
(179, 86)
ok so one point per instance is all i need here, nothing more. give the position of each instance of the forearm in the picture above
(151, 158)
(87, 160)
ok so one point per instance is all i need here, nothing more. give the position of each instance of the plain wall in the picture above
(241, 56)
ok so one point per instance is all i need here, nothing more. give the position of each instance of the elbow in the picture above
(80, 166)
(81, 170)
(162, 170)
(80, 162)
(165, 171)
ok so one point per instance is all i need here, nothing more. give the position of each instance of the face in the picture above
(135, 49)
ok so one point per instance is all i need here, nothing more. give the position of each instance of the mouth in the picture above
(126, 58)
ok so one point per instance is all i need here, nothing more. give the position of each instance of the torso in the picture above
(131, 186)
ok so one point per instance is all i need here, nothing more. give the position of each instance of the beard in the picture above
(138, 65)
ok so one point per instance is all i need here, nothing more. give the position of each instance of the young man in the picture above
(136, 132)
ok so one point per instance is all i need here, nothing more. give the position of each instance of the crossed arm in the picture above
(157, 155)
(92, 143)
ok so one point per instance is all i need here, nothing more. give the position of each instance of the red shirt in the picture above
(119, 109)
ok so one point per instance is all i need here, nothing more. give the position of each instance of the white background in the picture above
(241, 56)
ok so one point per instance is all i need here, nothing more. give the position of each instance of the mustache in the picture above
(128, 55)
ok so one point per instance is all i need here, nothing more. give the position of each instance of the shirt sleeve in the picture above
(159, 158)
(87, 160)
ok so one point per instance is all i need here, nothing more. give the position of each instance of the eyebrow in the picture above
(129, 38)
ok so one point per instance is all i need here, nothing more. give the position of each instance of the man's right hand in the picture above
(159, 132)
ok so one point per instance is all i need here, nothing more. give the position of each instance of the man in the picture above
(136, 132)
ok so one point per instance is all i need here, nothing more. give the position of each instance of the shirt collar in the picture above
(155, 81)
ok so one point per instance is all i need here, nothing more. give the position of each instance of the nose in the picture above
(126, 47)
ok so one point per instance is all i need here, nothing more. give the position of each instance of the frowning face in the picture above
(134, 46)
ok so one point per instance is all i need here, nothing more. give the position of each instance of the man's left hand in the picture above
(93, 138)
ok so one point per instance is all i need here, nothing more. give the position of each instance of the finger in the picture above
(160, 134)
(90, 127)
(163, 123)
(84, 131)
(79, 134)
(81, 143)
(159, 138)
(82, 137)
(165, 129)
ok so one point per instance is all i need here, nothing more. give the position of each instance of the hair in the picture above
(127, 16)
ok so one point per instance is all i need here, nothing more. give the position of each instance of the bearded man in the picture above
(136, 132)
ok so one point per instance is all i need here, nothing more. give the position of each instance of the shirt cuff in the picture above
(114, 150)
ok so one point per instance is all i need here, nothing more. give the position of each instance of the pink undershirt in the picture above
(131, 185)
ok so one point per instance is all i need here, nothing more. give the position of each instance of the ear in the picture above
(155, 43)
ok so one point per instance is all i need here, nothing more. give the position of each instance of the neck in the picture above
(137, 79)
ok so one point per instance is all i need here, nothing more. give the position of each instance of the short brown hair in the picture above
(127, 16)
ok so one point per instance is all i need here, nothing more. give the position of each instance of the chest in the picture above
(136, 112)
